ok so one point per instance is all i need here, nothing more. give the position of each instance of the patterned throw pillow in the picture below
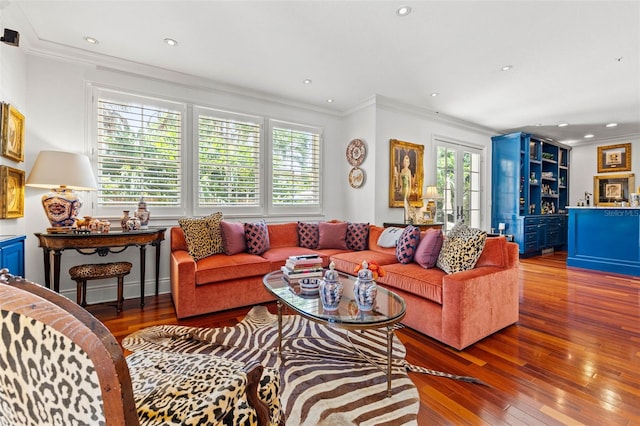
(357, 236)
(389, 237)
(461, 249)
(256, 235)
(407, 243)
(203, 236)
(308, 235)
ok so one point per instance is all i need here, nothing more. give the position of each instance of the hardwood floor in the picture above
(573, 357)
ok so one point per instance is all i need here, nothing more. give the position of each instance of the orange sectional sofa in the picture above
(457, 309)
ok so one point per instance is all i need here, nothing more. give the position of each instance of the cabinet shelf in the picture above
(540, 169)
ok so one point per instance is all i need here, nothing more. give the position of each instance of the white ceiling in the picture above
(573, 61)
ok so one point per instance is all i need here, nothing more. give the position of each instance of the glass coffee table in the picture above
(389, 310)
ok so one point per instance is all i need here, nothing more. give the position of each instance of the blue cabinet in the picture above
(530, 190)
(12, 253)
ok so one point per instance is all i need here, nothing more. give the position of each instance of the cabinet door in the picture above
(12, 258)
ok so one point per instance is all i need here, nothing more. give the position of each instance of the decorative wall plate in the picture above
(356, 152)
(356, 177)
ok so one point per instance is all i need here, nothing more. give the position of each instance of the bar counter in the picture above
(605, 239)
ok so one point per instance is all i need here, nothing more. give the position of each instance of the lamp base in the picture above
(431, 208)
(61, 206)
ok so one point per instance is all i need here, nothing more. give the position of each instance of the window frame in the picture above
(244, 211)
(275, 210)
(132, 97)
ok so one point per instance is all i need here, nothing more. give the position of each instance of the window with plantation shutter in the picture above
(229, 161)
(295, 167)
(139, 146)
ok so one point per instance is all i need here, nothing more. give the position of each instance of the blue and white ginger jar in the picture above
(330, 289)
(365, 289)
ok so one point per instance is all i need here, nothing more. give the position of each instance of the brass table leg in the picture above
(389, 353)
(279, 328)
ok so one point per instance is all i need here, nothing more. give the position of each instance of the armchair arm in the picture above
(253, 370)
(477, 303)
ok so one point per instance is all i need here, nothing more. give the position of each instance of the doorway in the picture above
(458, 177)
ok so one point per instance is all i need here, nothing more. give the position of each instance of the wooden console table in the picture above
(102, 244)
(421, 226)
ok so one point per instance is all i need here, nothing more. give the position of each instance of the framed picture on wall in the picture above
(12, 193)
(612, 189)
(614, 158)
(406, 175)
(12, 137)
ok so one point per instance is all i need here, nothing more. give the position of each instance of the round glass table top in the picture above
(389, 307)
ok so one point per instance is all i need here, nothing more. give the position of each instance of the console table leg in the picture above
(143, 248)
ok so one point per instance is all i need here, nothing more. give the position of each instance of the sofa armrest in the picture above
(478, 302)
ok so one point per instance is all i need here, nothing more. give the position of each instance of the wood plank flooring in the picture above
(573, 357)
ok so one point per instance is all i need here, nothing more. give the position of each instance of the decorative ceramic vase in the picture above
(143, 214)
(133, 224)
(124, 219)
(330, 289)
(365, 289)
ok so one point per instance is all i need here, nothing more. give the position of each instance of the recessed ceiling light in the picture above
(307, 81)
(589, 136)
(434, 94)
(91, 40)
(330, 101)
(170, 42)
(563, 124)
(403, 11)
(611, 125)
(507, 68)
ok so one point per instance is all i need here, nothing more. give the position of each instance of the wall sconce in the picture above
(11, 37)
(66, 171)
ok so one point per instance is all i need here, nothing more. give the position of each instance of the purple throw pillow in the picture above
(357, 236)
(233, 237)
(407, 244)
(256, 236)
(333, 235)
(426, 254)
(308, 235)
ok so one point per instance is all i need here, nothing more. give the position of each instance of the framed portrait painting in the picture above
(12, 137)
(614, 158)
(406, 175)
(12, 197)
(611, 189)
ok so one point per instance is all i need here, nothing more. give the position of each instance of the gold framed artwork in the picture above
(406, 175)
(611, 190)
(12, 137)
(614, 158)
(12, 198)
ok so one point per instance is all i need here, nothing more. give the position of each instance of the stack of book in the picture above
(297, 268)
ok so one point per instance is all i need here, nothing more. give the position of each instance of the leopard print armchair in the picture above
(61, 365)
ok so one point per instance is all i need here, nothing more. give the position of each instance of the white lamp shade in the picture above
(62, 169)
(431, 192)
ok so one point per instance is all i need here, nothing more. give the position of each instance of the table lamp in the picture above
(430, 195)
(62, 172)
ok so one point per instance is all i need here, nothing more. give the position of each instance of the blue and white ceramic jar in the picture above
(330, 289)
(365, 289)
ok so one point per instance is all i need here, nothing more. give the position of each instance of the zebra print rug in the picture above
(324, 381)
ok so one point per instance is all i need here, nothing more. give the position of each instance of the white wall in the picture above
(13, 75)
(395, 121)
(584, 166)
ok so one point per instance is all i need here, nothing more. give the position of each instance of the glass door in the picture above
(458, 177)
